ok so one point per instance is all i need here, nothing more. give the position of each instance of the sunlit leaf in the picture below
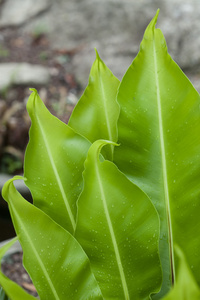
(53, 164)
(159, 128)
(118, 228)
(56, 263)
(185, 287)
(96, 113)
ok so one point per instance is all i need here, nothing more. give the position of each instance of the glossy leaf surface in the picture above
(159, 128)
(12, 290)
(118, 228)
(96, 113)
(54, 260)
(54, 163)
(186, 287)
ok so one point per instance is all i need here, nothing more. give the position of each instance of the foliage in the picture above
(114, 221)
(10, 163)
(4, 52)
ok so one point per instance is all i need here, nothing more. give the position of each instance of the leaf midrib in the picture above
(113, 238)
(164, 163)
(69, 211)
(108, 126)
(48, 279)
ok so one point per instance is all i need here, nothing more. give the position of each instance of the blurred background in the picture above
(49, 45)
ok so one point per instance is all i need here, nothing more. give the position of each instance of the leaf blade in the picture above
(54, 259)
(114, 231)
(186, 287)
(54, 161)
(95, 115)
(158, 147)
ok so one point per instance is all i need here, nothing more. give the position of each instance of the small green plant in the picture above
(10, 163)
(43, 55)
(39, 31)
(4, 52)
(116, 191)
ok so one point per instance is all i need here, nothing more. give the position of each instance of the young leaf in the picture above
(95, 115)
(12, 290)
(118, 228)
(57, 264)
(54, 162)
(186, 287)
(159, 127)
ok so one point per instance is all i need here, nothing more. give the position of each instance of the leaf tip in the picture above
(179, 252)
(153, 22)
(98, 59)
(5, 189)
(157, 13)
(33, 90)
(96, 147)
(97, 54)
(32, 99)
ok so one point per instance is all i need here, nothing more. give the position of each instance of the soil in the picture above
(12, 267)
(59, 95)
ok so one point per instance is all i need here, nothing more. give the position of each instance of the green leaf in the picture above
(118, 228)
(54, 162)
(95, 115)
(185, 287)
(3, 295)
(159, 126)
(10, 288)
(56, 263)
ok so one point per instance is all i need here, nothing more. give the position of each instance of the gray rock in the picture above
(16, 12)
(22, 73)
(195, 80)
(16, 247)
(116, 29)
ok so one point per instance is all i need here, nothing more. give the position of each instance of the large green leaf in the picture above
(55, 261)
(12, 290)
(186, 287)
(95, 115)
(54, 163)
(159, 134)
(118, 228)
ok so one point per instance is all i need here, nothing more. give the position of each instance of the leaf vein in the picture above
(69, 211)
(113, 238)
(37, 255)
(164, 162)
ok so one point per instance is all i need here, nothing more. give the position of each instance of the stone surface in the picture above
(116, 29)
(22, 73)
(16, 247)
(16, 12)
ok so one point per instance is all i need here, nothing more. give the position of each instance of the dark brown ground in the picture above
(14, 120)
(12, 268)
